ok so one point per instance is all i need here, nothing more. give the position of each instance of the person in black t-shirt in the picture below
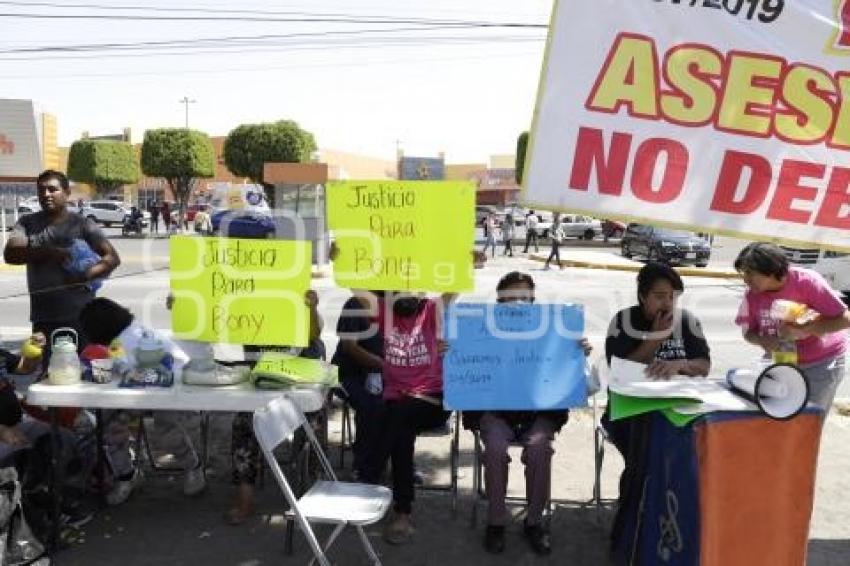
(359, 356)
(654, 332)
(671, 342)
(42, 241)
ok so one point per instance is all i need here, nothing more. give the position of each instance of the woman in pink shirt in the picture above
(412, 392)
(820, 343)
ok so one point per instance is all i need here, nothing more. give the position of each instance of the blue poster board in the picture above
(514, 357)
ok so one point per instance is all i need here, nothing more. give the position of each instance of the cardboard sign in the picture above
(514, 357)
(727, 116)
(240, 291)
(403, 235)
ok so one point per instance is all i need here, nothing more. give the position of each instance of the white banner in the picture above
(731, 116)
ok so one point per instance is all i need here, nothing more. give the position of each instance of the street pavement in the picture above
(161, 526)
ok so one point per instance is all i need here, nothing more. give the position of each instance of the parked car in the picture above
(834, 266)
(613, 229)
(30, 206)
(665, 245)
(109, 212)
(573, 226)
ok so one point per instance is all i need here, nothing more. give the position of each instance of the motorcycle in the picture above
(131, 226)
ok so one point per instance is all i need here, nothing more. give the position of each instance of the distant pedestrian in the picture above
(154, 210)
(166, 217)
(490, 235)
(531, 223)
(556, 235)
(508, 234)
(203, 222)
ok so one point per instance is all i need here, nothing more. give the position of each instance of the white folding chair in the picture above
(328, 501)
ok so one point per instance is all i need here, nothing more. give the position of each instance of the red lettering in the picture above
(837, 199)
(675, 169)
(844, 25)
(789, 189)
(590, 154)
(734, 163)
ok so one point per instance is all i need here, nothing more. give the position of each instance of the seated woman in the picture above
(534, 429)
(359, 357)
(104, 321)
(670, 342)
(412, 392)
(245, 455)
(818, 344)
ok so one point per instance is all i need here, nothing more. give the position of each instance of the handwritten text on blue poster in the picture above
(514, 357)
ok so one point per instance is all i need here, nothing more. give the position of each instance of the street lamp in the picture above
(186, 101)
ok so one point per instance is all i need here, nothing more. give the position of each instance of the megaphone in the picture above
(780, 391)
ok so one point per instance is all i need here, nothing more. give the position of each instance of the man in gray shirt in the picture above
(41, 241)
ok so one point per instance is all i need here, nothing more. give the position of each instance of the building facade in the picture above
(28, 140)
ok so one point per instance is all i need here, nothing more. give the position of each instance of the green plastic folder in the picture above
(625, 406)
(275, 370)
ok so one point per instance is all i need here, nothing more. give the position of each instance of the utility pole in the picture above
(186, 101)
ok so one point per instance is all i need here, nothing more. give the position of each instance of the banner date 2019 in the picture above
(766, 11)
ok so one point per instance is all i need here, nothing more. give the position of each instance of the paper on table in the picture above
(720, 400)
(625, 371)
(627, 378)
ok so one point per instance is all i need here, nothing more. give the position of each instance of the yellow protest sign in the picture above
(403, 235)
(240, 291)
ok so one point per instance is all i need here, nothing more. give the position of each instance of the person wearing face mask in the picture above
(670, 342)
(534, 429)
(413, 395)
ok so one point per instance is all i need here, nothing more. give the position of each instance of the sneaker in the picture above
(194, 481)
(538, 539)
(494, 539)
(418, 477)
(122, 489)
(399, 530)
(75, 514)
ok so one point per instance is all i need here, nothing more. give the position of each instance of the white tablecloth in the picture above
(179, 397)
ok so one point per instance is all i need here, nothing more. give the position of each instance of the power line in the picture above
(219, 70)
(301, 20)
(189, 51)
(235, 14)
(196, 41)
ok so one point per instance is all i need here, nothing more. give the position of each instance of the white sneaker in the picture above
(194, 481)
(122, 489)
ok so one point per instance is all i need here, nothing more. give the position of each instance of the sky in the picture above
(426, 76)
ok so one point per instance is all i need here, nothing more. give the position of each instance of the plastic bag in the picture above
(82, 258)
(18, 546)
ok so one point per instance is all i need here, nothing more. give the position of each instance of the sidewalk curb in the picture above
(684, 271)
(7, 267)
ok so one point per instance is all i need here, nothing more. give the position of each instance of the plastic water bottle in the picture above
(374, 383)
(786, 353)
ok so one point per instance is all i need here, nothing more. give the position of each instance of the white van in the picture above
(229, 196)
(834, 266)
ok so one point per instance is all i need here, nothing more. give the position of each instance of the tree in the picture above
(180, 156)
(249, 147)
(521, 147)
(103, 164)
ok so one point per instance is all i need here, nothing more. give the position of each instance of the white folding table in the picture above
(179, 397)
